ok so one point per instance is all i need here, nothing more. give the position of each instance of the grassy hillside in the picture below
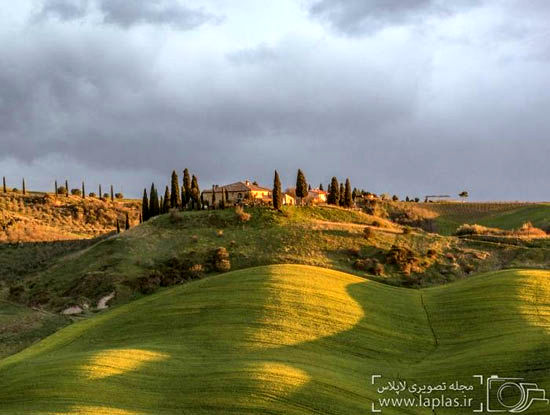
(43, 217)
(177, 247)
(284, 339)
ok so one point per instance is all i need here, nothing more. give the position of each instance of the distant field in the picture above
(284, 339)
(497, 215)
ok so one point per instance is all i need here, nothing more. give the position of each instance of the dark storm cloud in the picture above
(415, 114)
(128, 13)
(354, 17)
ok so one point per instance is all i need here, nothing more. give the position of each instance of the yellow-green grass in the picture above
(284, 339)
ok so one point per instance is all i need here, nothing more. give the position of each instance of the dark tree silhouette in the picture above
(175, 191)
(301, 186)
(127, 225)
(166, 200)
(145, 206)
(277, 193)
(186, 193)
(348, 200)
(24, 188)
(334, 192)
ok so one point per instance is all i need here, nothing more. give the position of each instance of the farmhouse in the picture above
(237, 193)
(317, 196)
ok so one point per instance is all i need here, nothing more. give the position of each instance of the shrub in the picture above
(195, 238)
(92, 194)
(148, 285)
(376, 223)
(219, 232)
(220, 260)
(15, 190)
(432, 253)
(61, 190)
(119, 195)
(377, 269)
(242, 216)
(196, 271)
(76, 192)
(16, 292)
(106, 195)
(173, 216)
(407, 230)
(354, 252)
(367, 232)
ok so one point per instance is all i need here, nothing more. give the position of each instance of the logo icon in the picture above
(512, 394)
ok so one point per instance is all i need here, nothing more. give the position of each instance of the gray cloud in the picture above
(416, 114)
(63, 9)
(354, 17)
(128, 13)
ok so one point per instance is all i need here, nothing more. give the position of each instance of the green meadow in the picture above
(284, 339)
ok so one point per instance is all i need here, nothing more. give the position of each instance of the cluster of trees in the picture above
(186, 196)
(64, 191)
(340, 194)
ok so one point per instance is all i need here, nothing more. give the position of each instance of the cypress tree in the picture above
(4, 184)
(140, 219)
(186, 192)
(56, 188)
(354, 193)
(117, 226)
(222, 203)
(127, 225)
(112, 194)
(333, 192)
(161, 206)
(342, 194)
(277, 193)
(321, 186)
(83, 191)
(348, 200)
(195, 192)
(67, 188)
(167, 200)
(144, 206)
(301, 185)
(24, 188)
(175, 192)
(226, 195)
(100, 195)
(213, 197)
(154, 207)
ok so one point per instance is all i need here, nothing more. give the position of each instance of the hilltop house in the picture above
(240, 192)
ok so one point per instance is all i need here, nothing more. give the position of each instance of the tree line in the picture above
(186, 196)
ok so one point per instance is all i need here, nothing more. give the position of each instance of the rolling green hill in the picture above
(284, 339)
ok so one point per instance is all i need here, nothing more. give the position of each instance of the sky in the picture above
(411, 97)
